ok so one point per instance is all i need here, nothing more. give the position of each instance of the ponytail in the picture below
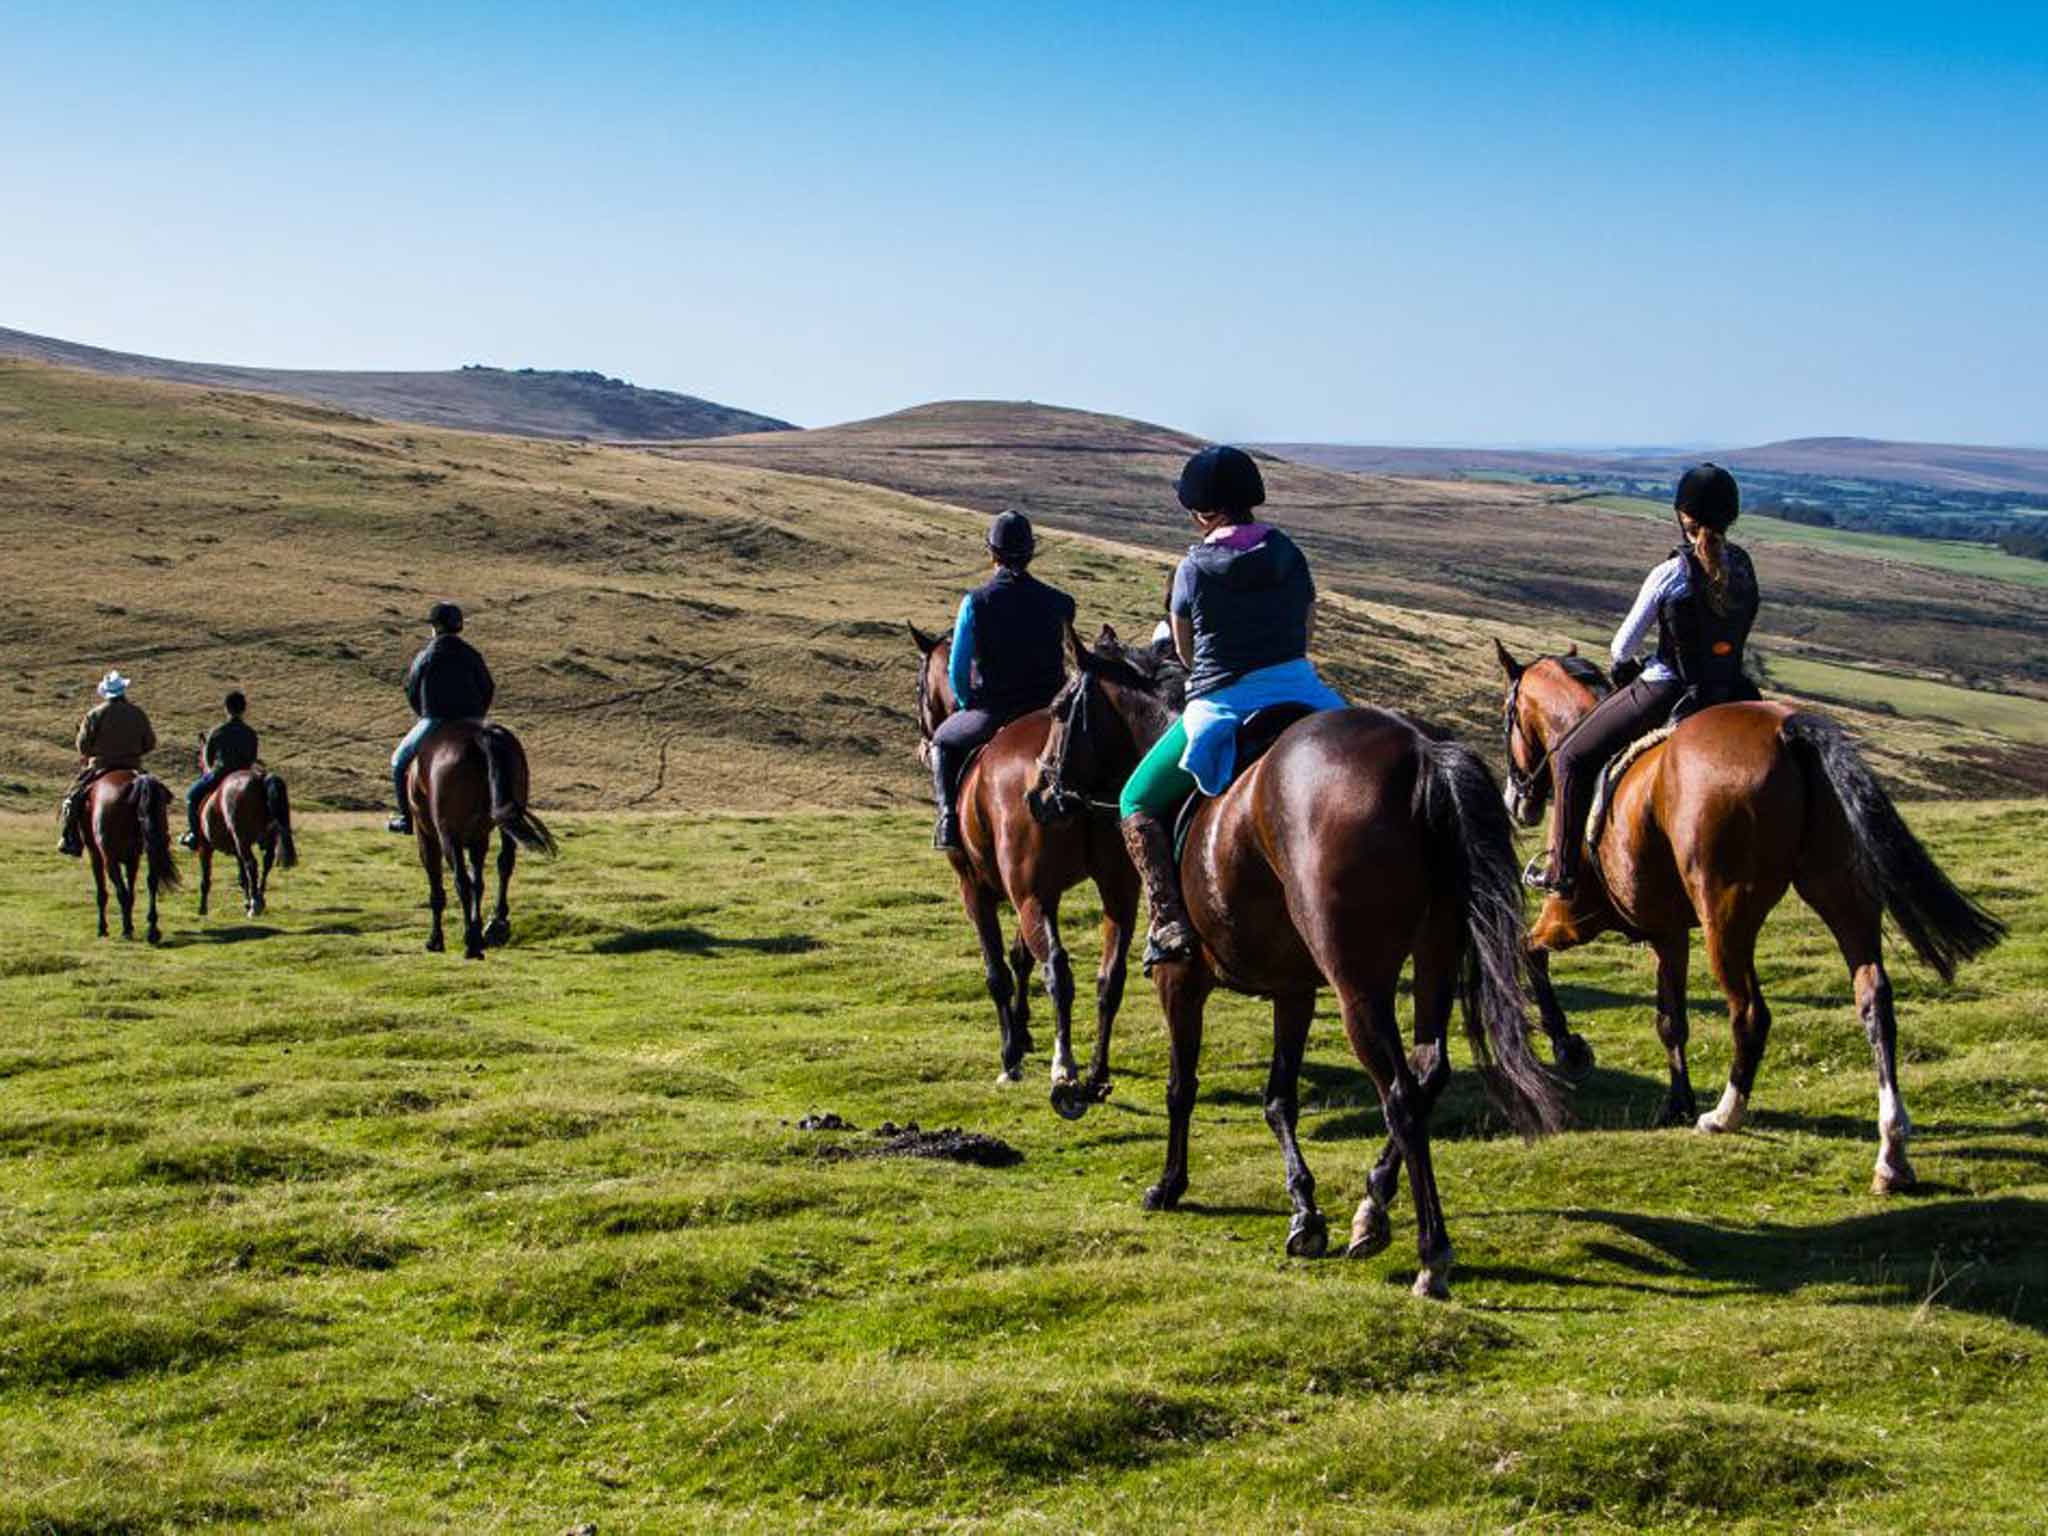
(1710, 545)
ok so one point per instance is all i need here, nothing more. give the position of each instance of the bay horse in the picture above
(1708, 829)
(1008, 853)
(249, 816)
(1357, 842)
(127, 829)
(468, 780)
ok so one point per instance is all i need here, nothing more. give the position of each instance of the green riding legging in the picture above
(1158, 783)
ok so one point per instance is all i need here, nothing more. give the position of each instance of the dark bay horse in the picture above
(469, 779)
(1357, 842)
(127, 827)
(1007, 853)
(1708, 829)
(248, 816)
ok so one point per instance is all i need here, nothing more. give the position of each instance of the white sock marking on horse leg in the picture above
(1728, 1114)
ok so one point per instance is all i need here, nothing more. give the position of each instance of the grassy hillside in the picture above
(534, 402)
(302, 1228)
(1500, 553)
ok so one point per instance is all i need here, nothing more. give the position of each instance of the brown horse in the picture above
(248, 815)
(127, 825)
(1357, 842)
(1708, 829)
(470, 778)
(1008, 853)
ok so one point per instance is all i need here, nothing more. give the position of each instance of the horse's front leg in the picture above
(1184, 987)
(1674, 958)
(1556, 929)
(500, 930)
(980, 903)
(1038, 924)
(1308, 1234)
(150, 930)
(1119, 923)
(1022, 963)
(437, 893)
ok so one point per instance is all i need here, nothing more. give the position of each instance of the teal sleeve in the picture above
(960, 663)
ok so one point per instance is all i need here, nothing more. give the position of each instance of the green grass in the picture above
(2007, 714)
(1959, 556)
(300, 1226)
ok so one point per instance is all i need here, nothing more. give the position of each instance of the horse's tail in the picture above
(506, 762)
(1473, 851)
(1943, 925)
(279, 803)
(152, 815)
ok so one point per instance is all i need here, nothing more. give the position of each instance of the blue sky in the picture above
(1645, 223)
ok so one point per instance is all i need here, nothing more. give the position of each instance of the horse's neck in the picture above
(1144, 719)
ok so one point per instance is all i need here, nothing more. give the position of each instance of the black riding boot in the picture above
(1151, 848)
(402, 822)
(70, 841)
(945, 785)
(191, 837)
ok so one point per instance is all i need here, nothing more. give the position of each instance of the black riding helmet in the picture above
(1707, 494)
(1221, 479)
(1010, 537)
(445, 616)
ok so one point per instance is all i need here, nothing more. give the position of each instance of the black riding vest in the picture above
(1020, 629)
(1249, 608)
(1704, 647)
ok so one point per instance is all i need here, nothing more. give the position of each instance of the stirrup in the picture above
(1538, 876)
(1167, 943)
(401, 824)
(946, 832)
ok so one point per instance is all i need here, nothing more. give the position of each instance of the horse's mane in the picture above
(1147, 668)
(1583, 669)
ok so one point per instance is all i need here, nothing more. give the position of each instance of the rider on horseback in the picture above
(447, 681)
(1242, 614)
(114, 734)
(1008, 658)
(1703, 600)
(230, 747)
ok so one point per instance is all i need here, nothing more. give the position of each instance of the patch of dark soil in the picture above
(952, 1145)
(829, 1121)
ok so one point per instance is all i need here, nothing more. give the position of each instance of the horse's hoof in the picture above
(1573, 1057)
(154, 936)
(1009, 1077)
(1308, 1237)
(1160, 1198)
(1099, 1090)
(498, 934)
(1434, 1283)
(436, 944)
(1370, 1230)
(1676, 1112)
(1893, 1177)
(1068, 1102)
(472, 951)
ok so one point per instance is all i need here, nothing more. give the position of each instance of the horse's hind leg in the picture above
(1184, 988)
(1731, 951)
(263, 876)
(1119, 922)
(1022, 963)
(1038, 924)
(1375, 1033)
(123, 876)
(1857, 924)
(468, 872)
(500, 930)
(1308, 1234)
(99, 883)
(1674, 958)
(1439, 953)
(980, 903)
(205, 876)
(437, 892)
(252, 879)
(1555, 929)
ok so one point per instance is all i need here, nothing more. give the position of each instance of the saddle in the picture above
(1610, 779)
(1256, 735)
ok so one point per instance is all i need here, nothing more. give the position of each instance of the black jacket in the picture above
(230, 745)
(1020, 633)
(449, 681)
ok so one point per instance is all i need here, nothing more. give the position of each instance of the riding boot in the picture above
(191, 837)
(1151, 847)
(1560, 865)
(945, 785)
(70, 842)
(402, 822)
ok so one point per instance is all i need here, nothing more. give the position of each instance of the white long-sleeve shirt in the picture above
(1669, 580)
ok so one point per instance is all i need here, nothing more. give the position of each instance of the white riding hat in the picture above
(113, 685)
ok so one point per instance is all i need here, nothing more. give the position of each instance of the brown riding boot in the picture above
(1151, 848)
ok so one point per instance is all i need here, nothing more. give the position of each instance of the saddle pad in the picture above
(1255, 738)
(1610, 778)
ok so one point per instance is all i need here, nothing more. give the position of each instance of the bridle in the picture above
(1055, 801)
(1520, 784)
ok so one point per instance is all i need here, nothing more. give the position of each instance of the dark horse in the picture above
(1707, 829)
(470, 777)
(1357, 841)
(248, 815)
(1007, 853)
(127, 825)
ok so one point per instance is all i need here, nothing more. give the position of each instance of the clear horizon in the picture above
(1442, 224)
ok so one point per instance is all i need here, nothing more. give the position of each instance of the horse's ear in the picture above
(1084, 660)
(925, 643)
(1106, 637)
(1508, 664)
(1573, 650)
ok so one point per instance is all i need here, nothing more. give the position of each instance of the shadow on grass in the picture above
(686, 940)
(1977, 1256)
(239, 933)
